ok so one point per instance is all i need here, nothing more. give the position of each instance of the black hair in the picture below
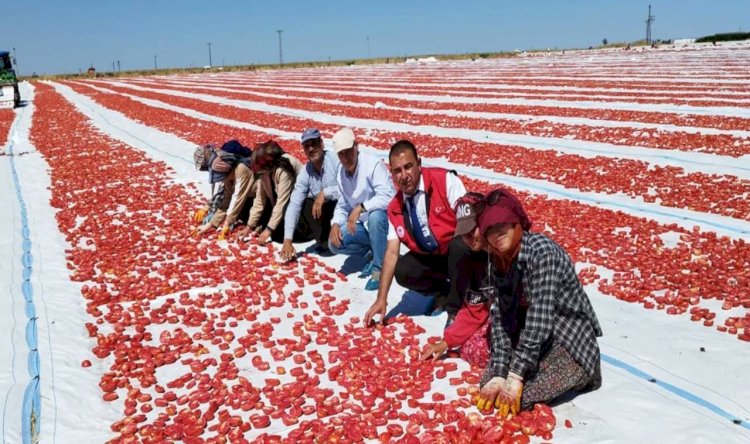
(403, 146)
(273, 151)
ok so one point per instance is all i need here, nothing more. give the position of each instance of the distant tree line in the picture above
(724, 37)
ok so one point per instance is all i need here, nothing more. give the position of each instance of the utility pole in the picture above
(368, 46)
(649, 20)
(113, 67)
(118, 66)
(154, 62)
(210, 62)
(15, 62)
(281, 54)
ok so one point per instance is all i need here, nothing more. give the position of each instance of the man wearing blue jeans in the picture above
(360, 225)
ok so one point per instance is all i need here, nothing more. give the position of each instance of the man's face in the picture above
(348, 158)
(406, 169)
(313, 149)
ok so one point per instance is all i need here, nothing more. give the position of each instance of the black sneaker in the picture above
(451, 318)
(440, 300)
(321, 248)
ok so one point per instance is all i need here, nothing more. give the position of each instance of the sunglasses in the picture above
(311, 143)
(487, 201)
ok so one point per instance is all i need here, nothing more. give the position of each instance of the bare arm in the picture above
(386, 278)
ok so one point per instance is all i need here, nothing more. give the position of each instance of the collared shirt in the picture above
(559, 313)
(455, 191)
(309, 183)
(371, 185)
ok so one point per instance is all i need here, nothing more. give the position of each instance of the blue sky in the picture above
(65, 36)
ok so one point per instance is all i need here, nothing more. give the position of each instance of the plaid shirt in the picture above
(559, 313)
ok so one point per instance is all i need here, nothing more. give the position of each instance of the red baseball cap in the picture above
(501, 206)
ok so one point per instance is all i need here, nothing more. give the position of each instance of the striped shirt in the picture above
(559, 313)
(309, 183)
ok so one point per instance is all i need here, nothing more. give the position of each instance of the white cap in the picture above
(343, 140)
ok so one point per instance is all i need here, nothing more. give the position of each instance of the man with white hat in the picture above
(360, 225)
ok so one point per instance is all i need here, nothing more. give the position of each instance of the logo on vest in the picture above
(439, 209)
(463, 211)
(400, 231)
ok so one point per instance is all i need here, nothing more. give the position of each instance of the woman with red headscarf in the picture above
(544, 330)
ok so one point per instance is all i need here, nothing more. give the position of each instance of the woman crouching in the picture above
(543, 332)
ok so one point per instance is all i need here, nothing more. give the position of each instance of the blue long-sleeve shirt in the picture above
(371, 185)
(309, 183)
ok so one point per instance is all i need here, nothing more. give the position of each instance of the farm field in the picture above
(119, 326)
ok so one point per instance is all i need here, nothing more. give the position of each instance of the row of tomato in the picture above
(670, 186)
(189, 329)
(702, 265)
(571, 82)
(723, 144)
(337, 91)
(6, 119)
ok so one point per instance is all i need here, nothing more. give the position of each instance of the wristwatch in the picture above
(362, 205)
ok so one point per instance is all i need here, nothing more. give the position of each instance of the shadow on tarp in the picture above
(412, 304)
(353, 264)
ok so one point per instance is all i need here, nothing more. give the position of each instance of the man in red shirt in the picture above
(421, 216)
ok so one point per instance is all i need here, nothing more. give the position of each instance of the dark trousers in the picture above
(277, 235)
(437, 275)
(316, 229)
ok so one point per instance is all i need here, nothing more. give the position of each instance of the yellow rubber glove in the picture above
(513, 392)
(199, 215)
(489, 393)
(224, 232)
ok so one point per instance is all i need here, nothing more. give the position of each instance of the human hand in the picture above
(264, 237)
(288, 252)
(224, 232)
(351, 222)
(511, 395)
(200, 215)
(244, 233)
(335, 236)
(490, 393)
(377, 308)
(434, 351)
(317, 209)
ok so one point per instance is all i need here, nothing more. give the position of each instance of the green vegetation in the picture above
(724, 37)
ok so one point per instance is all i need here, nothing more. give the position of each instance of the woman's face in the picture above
(500, 237)
(474, 240)
(261, 163)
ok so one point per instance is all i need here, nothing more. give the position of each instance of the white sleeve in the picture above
(391, 232)
(456, 188)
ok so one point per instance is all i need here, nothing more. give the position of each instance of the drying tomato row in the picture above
(6, 119)
(337, 92)
(670, 186)
(723, 144)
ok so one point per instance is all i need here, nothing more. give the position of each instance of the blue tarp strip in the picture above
(32, 401)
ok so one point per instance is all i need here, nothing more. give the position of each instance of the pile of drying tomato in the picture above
(203, 341)
(6, 119)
